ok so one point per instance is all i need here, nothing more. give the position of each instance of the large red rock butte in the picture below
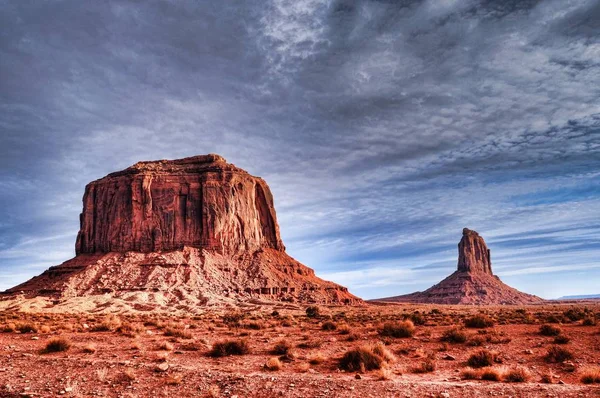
(472, 283)
(182, 233)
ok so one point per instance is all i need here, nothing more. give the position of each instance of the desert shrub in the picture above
(379, 349)
(558, 354)
(282, 347)
(590, 375)
(470, 374)
(475, 341)
(398, 330)
(27, 327)
(57, 345)
(546, 378)
(164, 346)
(427, 366)
(273, 364)
(491, 374)
(178, 332)
(9, 327)
(516, 375)
(310, 344)
(549, 330)
(416, 318)
(129, 329)
(479, 321)
(553, 319)
(588, 322)
(561, 339)
(344, 329)
(229, 347)
(313, 311)
(361, 359)
(254, 325)
(328, 325)
(574, 314)
(316, 359)
(481, 359)
(233, 318)
(454, 335)
(108, 324)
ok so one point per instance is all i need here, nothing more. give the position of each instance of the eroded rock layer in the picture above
(182, 233)
(472, 283)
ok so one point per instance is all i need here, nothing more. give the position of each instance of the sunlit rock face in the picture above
(201, 202)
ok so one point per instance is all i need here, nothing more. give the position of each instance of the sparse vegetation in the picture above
(398, 330)
(454, 335)
(427, 366)
(590, 375)
(561, 339)
(273, 364)
(363, 359)
(558, 354)
(58, 344)
(313, 311)
(491, 374)
(517, 375)
(482, 358)
(479, 321)
(329, 326)
(229, 347)
(282, 347)
(550, 330)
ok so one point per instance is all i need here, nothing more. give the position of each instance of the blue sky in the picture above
(382, 127)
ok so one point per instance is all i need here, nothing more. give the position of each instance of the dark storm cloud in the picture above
(383, 127)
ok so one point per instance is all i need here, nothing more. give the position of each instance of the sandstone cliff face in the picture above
(201, 202)
(472, 283)
(181, 234)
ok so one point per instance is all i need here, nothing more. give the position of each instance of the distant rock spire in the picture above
(473, 254)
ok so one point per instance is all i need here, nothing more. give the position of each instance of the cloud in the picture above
(382, 127)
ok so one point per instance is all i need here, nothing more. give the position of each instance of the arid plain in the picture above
(374, 350)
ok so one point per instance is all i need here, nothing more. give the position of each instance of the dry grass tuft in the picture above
(58, 344)
(481, 359)
(590, 375)
(479, 321)
(454, 335)
(398, 330)
(550, 330)
(558, 354)
(273, 364)
(229, 347)
(517, 375)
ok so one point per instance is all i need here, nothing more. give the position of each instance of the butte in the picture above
(179, 235)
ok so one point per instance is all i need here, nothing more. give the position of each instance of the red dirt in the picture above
(116, 368)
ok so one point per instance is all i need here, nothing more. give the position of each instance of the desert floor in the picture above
(293, 355)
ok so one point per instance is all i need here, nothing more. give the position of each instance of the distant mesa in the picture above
(178, 234)
(472, 283)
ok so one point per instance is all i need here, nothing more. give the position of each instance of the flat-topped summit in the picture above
(473, 281)
(188, 230)
(193, 164)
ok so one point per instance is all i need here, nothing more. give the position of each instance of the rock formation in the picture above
(182, 232)
(472, 283)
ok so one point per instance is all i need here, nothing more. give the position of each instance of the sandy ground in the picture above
(160, 355)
